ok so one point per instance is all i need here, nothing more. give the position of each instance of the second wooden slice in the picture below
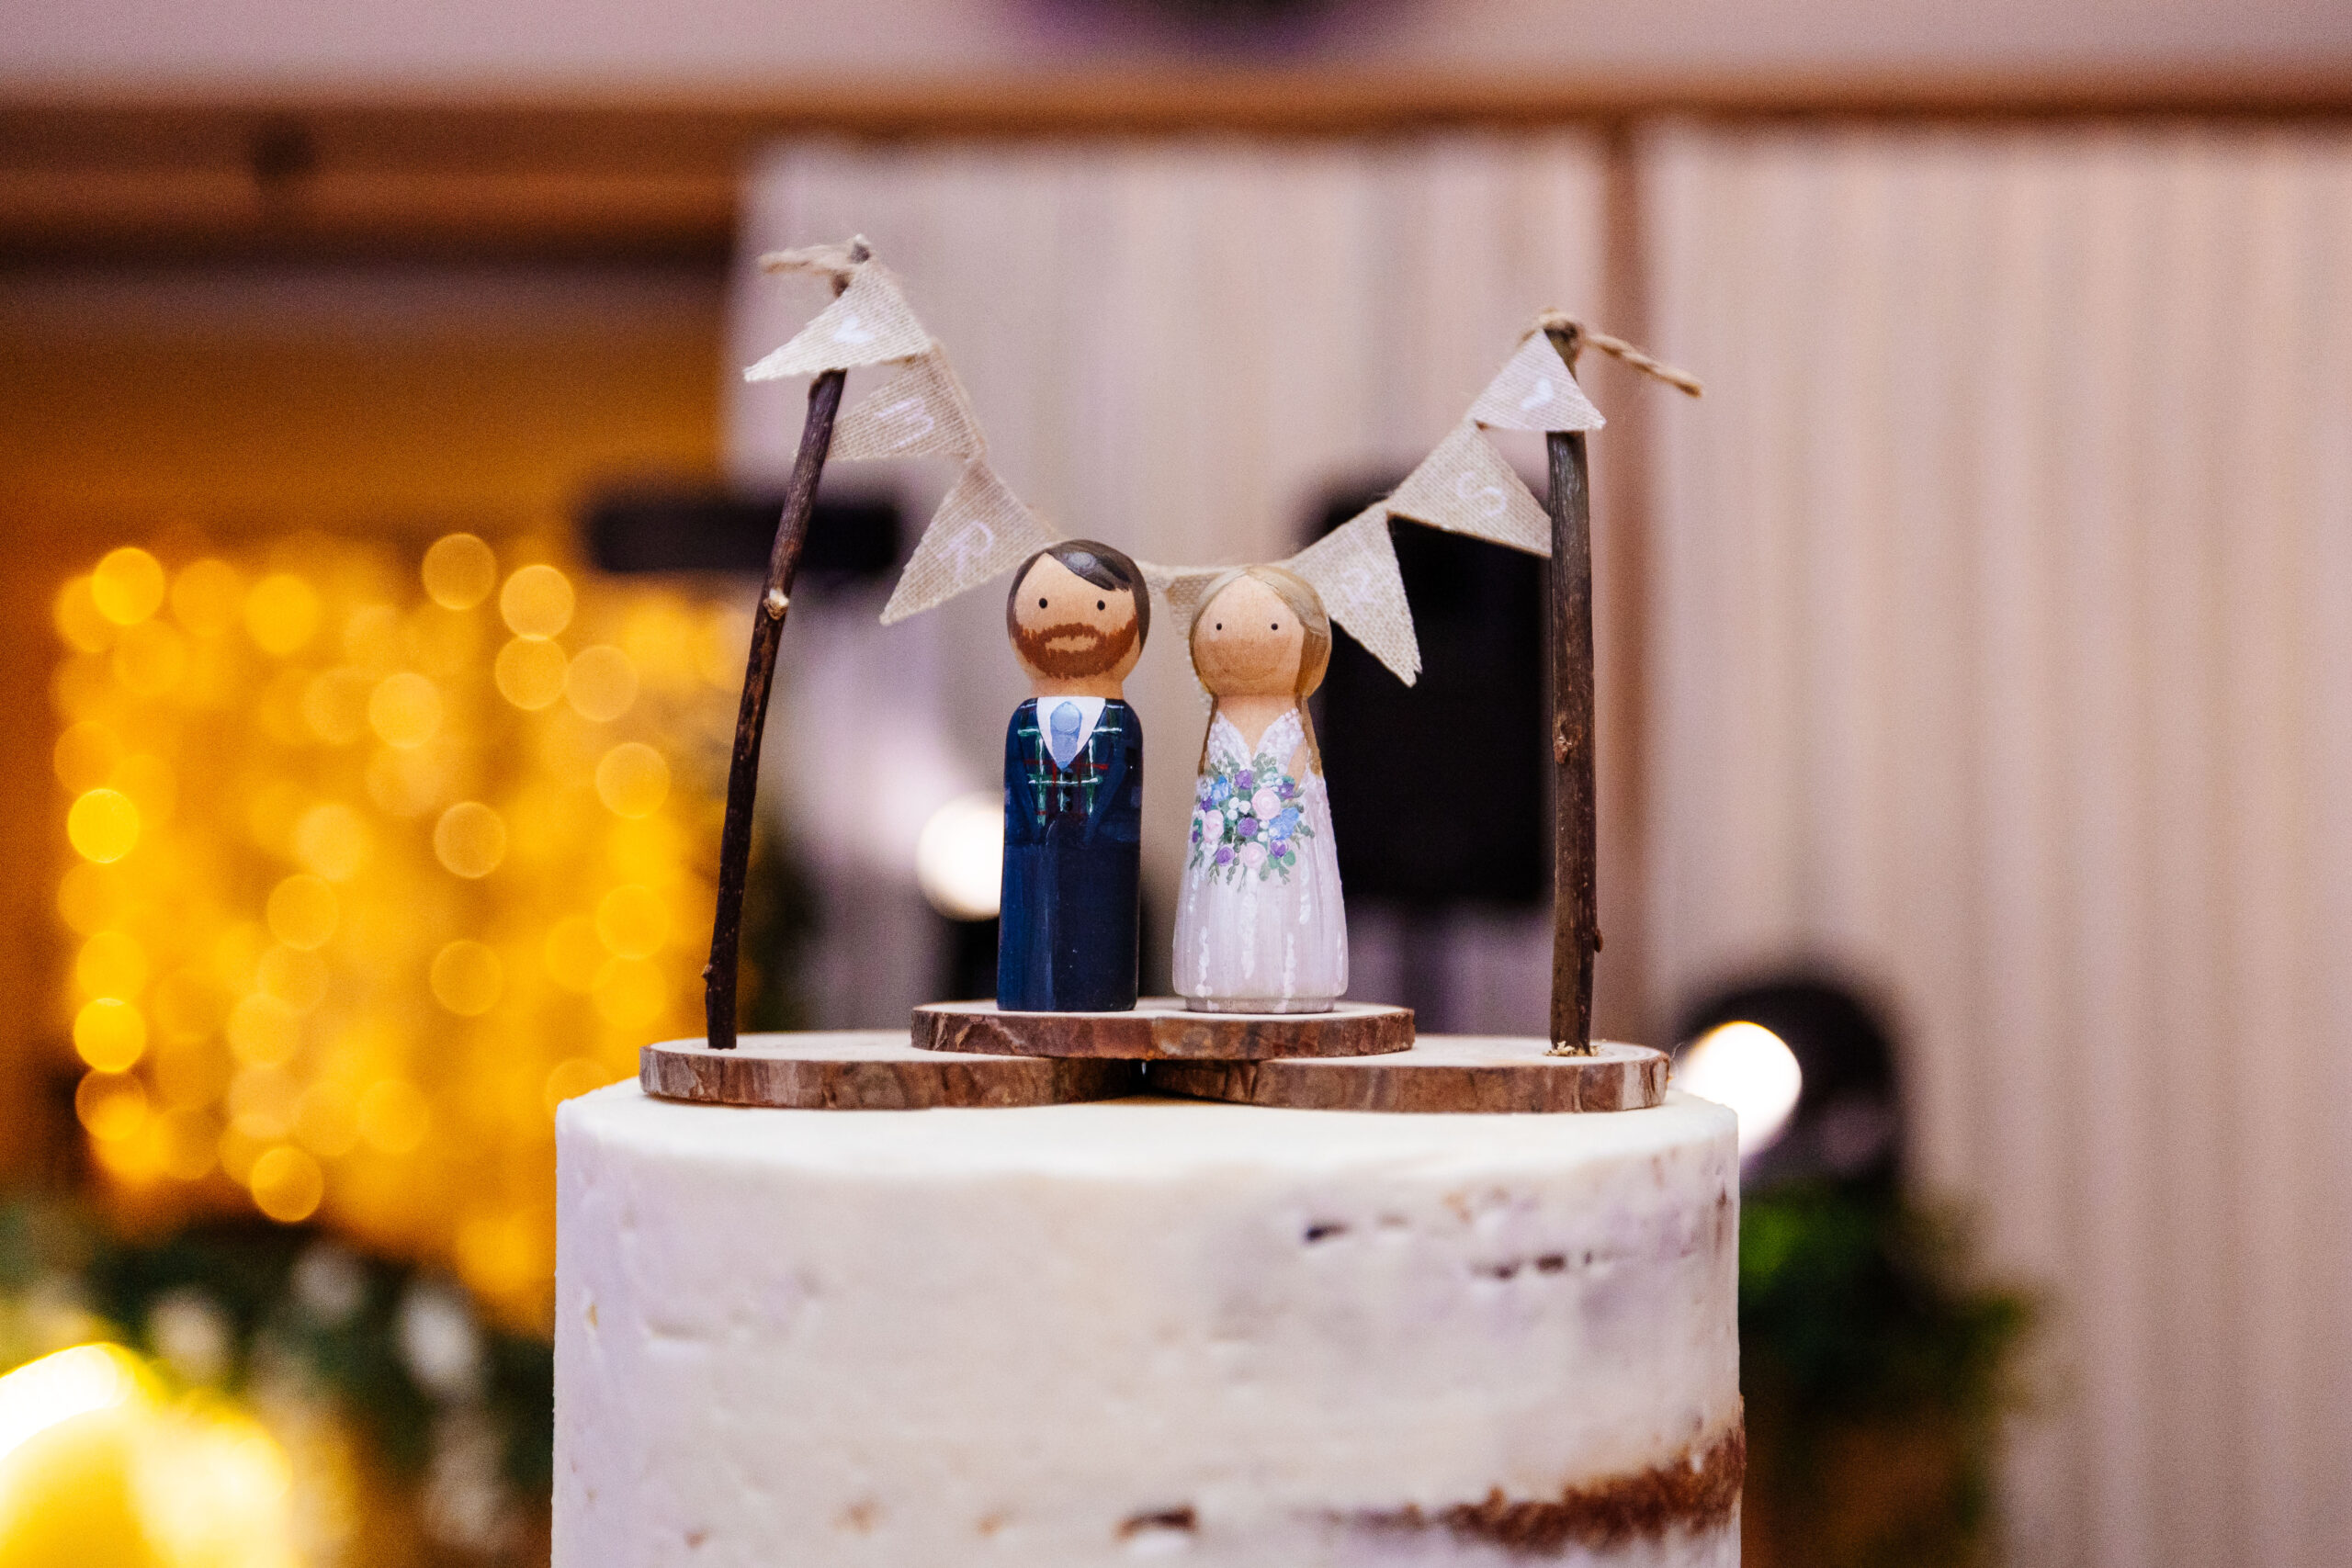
(869, 1070)
(1442, 1073)
(1159, 1029)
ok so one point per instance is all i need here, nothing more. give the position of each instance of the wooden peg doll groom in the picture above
(1073, 784)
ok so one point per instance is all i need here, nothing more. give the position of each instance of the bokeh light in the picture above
(959, 857)
(459, 571)
(470, 840)
(375, 863)
(537, 601)
(128, 586)
(1750, 1069)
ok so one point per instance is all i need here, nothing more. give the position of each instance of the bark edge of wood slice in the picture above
(870, 1069)
(1476, 1073)
(1159, 1029)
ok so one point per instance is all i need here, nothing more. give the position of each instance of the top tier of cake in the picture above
(1070, 1334)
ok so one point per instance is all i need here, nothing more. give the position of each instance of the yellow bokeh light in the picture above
(111, 1105)
(468, 978)
(150, 659)
(404, 709)
(85, 755)
(287, 1184)
(264, 1031)
(128, 586)
(394, 1116)
(333, 841)
(110, 1033)
(530, 673)
(459, 571)
(111, 964)
(76, 614)
(601, 684)
(633, 779)
(208, 597)
(303, 911)
(574, 1075)
(470, 839)
(279, 882)
(632, 921)
(103, 825)
(537, 601)
(281, 613)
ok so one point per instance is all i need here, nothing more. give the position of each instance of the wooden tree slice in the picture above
(872, 1069)
(1159, 1029)
(1483, 1074)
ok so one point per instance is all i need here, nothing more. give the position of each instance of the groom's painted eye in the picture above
(1101, 604)
(1041, 603)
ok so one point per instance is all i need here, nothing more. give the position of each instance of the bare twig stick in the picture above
(718, 977)
(1575, 912)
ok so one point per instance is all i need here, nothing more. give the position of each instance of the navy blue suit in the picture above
(1067, 935)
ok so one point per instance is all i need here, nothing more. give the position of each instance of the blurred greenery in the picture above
(1877, 1375)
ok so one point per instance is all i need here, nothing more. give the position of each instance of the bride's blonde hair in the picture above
(1314, 656)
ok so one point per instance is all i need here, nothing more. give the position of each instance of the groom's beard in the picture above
(1086, 651)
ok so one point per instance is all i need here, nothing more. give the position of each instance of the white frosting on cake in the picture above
(1081, 1334)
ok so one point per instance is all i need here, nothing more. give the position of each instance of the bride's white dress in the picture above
(1259, 926)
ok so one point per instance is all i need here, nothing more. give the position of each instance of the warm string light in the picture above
(374, 863)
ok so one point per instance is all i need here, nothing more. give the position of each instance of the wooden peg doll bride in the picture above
(1260, 927)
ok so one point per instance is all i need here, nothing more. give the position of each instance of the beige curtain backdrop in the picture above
(1180, 348)
(2003, 613)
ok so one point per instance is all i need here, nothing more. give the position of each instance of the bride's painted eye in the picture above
(1273, 625)
(1219, 627)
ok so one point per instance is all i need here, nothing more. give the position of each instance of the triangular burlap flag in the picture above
(981, 528)
(922, 413)
(1534, 391)
(1354, 568)
(869, 324)
(1465, 487)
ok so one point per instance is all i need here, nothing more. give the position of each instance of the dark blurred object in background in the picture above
(1439, 786)
(697, 529)
(1876, 1370)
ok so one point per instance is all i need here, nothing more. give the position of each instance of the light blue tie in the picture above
(1061, 732)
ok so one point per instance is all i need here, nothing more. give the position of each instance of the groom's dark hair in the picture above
(1092, 562)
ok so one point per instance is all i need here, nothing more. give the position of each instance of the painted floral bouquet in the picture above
(1248, 820)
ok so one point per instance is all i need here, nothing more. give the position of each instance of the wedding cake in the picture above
(1081, 1334)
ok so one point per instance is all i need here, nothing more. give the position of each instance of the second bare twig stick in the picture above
(1575, 912)
(718, 977)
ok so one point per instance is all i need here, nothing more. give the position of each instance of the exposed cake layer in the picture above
(1079, 1334)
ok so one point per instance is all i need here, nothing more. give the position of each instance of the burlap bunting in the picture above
(869, 324)
(1465, 487)
(1353, 567)
(922, 413)
(1534, 391)
(982, 528)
